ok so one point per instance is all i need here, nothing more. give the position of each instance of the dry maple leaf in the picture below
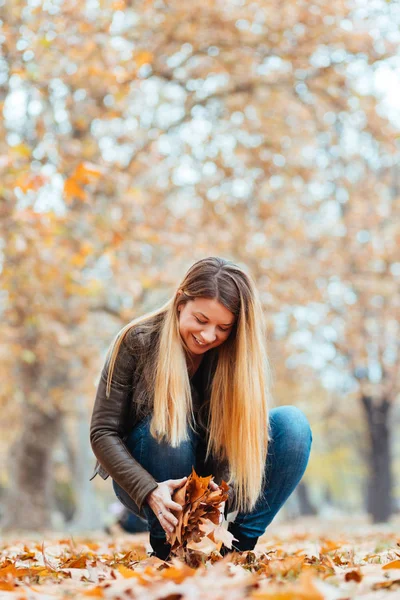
(200, 515)
(353, 575)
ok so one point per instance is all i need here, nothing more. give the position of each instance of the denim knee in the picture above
(292, 423)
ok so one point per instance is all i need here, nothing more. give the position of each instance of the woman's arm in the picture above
(109, 425)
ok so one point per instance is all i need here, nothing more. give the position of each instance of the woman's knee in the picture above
(292, 424)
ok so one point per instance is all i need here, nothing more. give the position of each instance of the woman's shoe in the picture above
(160, 548)
(242, 543)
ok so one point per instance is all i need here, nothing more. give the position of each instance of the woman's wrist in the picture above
(149, 496)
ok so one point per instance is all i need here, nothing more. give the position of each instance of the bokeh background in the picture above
(139, 136)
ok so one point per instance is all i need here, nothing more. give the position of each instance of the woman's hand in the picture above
(161, 503)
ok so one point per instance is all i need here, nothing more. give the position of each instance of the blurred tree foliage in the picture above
(139, 137)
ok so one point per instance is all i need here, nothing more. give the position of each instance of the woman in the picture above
(189, 385)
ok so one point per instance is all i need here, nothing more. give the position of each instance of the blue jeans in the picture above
(288, 453)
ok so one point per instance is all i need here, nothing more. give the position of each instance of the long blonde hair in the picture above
(238, 426)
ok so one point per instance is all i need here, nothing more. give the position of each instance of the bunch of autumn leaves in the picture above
(200, 523)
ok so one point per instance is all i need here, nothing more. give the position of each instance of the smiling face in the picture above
(204, 324)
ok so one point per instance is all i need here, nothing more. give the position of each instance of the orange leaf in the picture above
(12, 571)
(178, 575)
(126, 572)
(73, 190)
(197, 486)
(85, 171)
(143, 58)
(395, 564)
(7, 586)
(303, 589)
(94, 592)
(30, 182)
(75, 563)
(131, 574)
(117, 238)
(329, 546)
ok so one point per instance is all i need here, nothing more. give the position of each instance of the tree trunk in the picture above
(380, 483)
(29, 499)
(306, 507)
(88, 516)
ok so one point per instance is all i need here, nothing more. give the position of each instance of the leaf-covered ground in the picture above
(289, 564)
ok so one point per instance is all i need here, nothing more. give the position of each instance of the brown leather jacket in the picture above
(114, 418)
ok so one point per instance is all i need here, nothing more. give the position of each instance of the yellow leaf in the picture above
(22, 150)
(146, 282)
(44, 42)
(78, 260)
(28, 356)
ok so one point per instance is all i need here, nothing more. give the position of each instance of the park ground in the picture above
(303, 560)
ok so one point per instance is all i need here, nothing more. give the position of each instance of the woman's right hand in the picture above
(161, 503)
